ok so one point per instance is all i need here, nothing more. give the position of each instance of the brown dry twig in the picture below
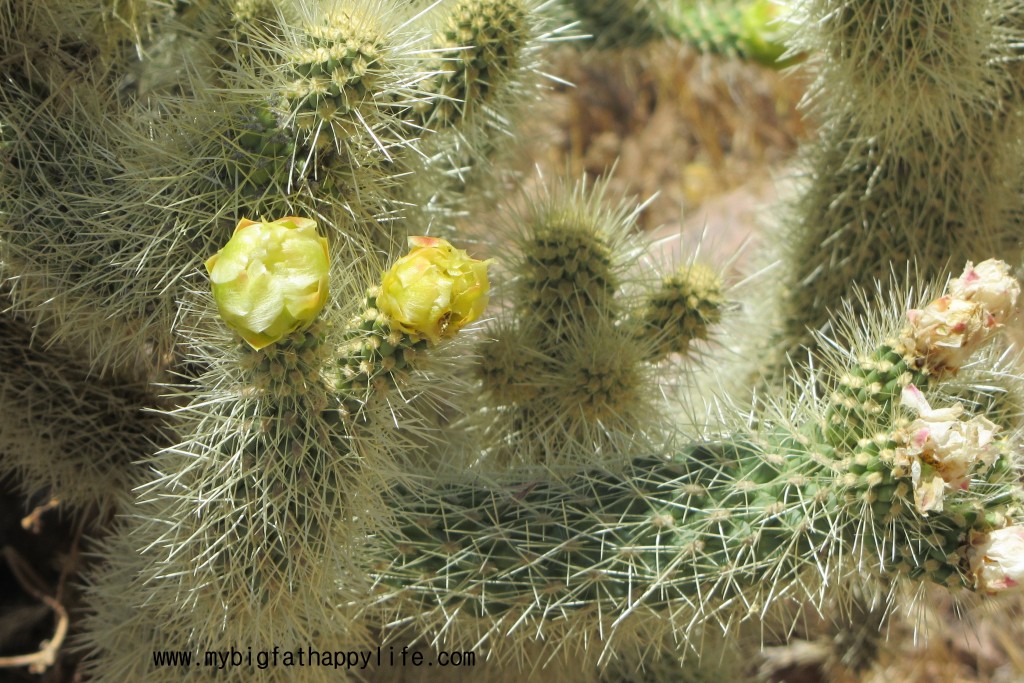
(39, 661)
(33, 521)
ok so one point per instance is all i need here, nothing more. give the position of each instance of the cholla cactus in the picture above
(323, 439)
(477, 50)
(747, 29)
(257, 519)
(616, 23)
(916, 160)
(719, 530)
(574, 354)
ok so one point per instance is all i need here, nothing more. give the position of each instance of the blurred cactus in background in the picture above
(917, 156)
(317, 369)
(748, 29)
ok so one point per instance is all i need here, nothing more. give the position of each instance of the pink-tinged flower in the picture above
(943, 449)
(271, 278)
(435, 290)
(989, 284)
(951, 328)
(997, 559)
(948, 331)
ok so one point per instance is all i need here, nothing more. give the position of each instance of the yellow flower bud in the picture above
(435, 290)
(271, 278)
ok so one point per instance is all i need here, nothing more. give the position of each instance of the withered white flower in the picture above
(944, 449)
(952, 327)
(948, 331)
(997, 559)
(989, 284)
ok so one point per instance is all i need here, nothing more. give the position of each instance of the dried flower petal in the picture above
(943, 449)
(949, 329)
(929, 488)
(989, 284)
(997, 559)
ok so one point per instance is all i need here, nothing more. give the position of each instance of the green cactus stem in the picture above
(914, 162)
(475, 53)
(717, 531)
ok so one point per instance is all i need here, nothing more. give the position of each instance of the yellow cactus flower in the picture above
(271, 278)
(435, 290)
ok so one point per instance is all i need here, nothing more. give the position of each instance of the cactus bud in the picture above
(435, 290)
(270, 279)
(997, 559)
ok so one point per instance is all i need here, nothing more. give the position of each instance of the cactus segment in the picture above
(572, 351)
(745, 29)
(375, 358)
(253, 516)
(723, 527)
(66, 432)
(924, 175)
(716, 532)
(619, 23)
(681, 311)
(337, 72)
(475, 53)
